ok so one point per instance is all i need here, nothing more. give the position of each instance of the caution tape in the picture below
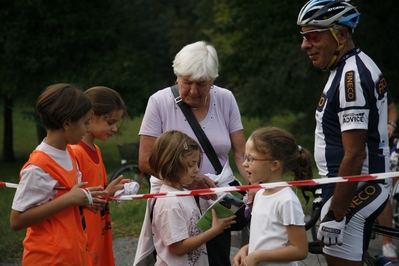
(298, 183)
(208, 191)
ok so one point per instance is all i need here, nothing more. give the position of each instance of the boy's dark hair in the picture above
(60, 102)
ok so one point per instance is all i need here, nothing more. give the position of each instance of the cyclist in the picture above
(351, 135)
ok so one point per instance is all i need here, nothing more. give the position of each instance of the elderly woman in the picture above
(216, 110)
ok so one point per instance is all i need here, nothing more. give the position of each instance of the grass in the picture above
(127, 216)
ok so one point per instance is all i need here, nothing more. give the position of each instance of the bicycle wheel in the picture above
(132, 171)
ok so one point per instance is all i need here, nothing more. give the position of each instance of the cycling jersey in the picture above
(355, 97)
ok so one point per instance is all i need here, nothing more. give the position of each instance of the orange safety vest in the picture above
(60, 239)
(98, 224)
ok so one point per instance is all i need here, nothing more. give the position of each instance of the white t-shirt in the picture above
(270, 215)
(174, 219)
(36, 186)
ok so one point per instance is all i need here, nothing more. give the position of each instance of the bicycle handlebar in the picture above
(314, 217)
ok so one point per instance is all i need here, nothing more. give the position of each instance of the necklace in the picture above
(197, 108)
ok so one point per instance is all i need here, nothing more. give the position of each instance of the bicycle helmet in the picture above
(327, 13)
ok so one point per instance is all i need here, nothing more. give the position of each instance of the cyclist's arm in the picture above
(354, 142)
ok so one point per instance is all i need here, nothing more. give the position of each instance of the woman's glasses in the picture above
(250, 159)
(312, 35)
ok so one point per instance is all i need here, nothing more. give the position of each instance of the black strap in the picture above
(151, 218)
(202, 138)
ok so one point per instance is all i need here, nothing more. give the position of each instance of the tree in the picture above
(47, 42)
(259, 49)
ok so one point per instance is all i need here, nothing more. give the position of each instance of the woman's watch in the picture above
(392, 124)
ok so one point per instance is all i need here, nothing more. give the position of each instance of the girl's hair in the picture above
(280, 145)
(60, 102)
(168, 155)
(106, 101)
(198, 60)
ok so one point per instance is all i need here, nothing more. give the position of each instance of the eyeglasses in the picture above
(250, 159)
(312, 35)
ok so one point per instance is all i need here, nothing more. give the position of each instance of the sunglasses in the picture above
(312, 35)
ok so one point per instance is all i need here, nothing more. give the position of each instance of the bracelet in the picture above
(392, 124)
(88, 195)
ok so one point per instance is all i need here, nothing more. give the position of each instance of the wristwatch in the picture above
(392, 124)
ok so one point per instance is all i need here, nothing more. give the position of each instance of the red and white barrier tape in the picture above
(6, 184)
(299, 183)
(12, 185)
(208, 191)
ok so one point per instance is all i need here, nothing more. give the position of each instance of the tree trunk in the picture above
(8, 150)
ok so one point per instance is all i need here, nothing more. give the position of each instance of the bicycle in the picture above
(394, 166)
(312, 224)
(129, 168)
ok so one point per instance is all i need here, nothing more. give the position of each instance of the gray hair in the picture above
(198, 60)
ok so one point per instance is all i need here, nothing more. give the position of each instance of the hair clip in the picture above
(185, 146)
(299, 148)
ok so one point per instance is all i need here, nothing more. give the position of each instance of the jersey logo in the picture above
(322, 102)
(350, 91)
(381, 86)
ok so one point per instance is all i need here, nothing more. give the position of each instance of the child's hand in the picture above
(87, 196)
(239, 258)
(116, 184)
(219, 225)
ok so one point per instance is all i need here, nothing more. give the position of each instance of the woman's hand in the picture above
(202, 182)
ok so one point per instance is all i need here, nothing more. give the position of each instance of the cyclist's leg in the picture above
(367, 204)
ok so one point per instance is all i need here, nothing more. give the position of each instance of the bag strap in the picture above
(202, 138)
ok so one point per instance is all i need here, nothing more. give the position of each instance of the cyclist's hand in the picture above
(331, 232)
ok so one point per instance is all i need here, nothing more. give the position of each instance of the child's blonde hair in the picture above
(168, 155)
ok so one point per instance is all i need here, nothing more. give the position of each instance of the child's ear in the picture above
(65, 124)
(275, 165)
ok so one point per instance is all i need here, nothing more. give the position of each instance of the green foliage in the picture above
(261, 61)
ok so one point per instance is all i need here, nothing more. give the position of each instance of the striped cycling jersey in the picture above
(355, 97)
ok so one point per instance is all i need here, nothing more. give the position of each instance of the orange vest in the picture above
(98, 224)
(60, 239)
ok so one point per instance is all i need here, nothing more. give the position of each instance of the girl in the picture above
(50, 192)
(178, 241)
(108, 110)
(277, 235)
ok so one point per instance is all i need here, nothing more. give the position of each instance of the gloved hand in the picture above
(331, 232)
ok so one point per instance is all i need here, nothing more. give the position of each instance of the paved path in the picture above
(125, 248)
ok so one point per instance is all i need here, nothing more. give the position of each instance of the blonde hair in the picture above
(168, 155)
